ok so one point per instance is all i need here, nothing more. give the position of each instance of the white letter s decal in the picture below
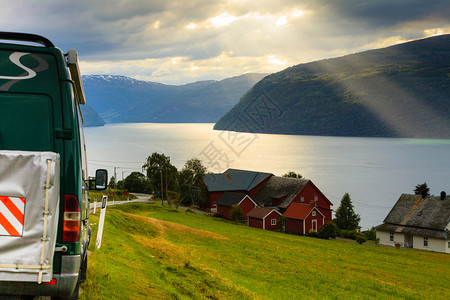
(15, 59)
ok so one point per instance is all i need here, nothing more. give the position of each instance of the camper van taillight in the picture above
(72, 219)
(52, 282)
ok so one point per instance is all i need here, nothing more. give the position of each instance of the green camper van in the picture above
(44, 204)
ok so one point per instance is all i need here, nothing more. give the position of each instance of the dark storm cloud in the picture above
(111, 27)
(292, 31)
(388, 13)
(101, 26)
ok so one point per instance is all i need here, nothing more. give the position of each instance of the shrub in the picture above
(353, 234)
(346, 234)
(371, 234)
(360, 238)
(237, 214)
(328, 230)
(312, 233)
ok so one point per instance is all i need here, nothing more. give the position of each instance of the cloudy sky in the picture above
(177, 42)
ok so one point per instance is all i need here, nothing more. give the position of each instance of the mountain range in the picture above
(398, 91)
(121, 99)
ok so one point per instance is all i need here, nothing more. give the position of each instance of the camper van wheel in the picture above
(75, 292)
(83, 270)
(74, 295)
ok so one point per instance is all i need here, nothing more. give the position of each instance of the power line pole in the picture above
(162, 197)
(115, 183)
(167, 185)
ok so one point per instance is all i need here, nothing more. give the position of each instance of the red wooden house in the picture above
(307, 207)
(228, 199)
(301, 218)
(282, 191)
(266, 218)
(232, 180)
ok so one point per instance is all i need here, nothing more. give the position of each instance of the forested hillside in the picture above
(399, 91)
(90, 116)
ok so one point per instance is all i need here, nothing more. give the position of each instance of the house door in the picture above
(408, 241)
(314, 225)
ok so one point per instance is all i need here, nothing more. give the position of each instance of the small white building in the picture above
(419, 223)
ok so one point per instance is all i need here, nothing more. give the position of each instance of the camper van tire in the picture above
(83, 270)
(74, 295)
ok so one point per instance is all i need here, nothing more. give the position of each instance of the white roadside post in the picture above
(101, 222)
(95, 204)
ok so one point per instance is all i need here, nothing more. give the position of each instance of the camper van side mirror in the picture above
(101, 179)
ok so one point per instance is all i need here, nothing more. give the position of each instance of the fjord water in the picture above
(374, 171)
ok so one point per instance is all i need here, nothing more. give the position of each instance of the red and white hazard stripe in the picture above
(11, 215)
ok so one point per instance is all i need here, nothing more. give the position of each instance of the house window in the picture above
(302, 199)
(425, 242)
(449, 244)
(273, 222)
(314, 213)
(391, 236)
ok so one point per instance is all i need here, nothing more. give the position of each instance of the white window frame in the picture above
(425, 241)
(391, 236)
(273, 222)
(314, 213)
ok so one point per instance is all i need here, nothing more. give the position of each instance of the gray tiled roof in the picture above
(230, 199)
(277, 187)
(413, 214)
(234, 180)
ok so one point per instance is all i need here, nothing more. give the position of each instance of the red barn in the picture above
(228, 199)
(307, 207)
(283, 191)
(302, 218)
(232, 180)
(266, 218)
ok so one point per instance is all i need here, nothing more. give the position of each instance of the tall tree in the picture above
(422, 189)
(190, 180)
(138, 183)
(345, 217)
(292, 174)
(161, 173)
(112, 182)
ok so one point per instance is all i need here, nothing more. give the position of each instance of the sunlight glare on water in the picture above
(374, 171)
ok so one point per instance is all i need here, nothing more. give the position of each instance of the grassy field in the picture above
(110, 193)
(150, 251)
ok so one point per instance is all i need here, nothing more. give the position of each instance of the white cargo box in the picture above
(29, 211)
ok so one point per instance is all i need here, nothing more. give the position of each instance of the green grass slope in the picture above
(399, 91)
(152, 252)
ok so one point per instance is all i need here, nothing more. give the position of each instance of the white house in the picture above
(418, 222)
